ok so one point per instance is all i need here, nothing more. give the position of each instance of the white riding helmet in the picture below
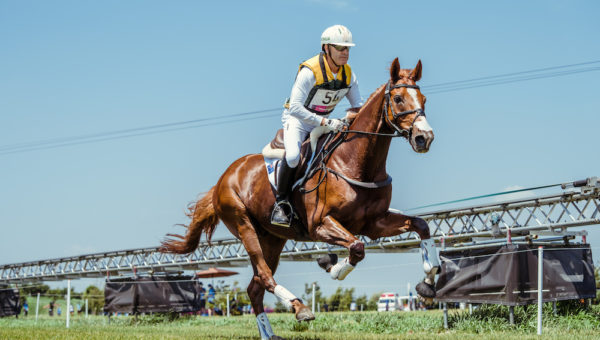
(337, 35)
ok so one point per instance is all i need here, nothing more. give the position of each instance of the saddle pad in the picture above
(272, 165)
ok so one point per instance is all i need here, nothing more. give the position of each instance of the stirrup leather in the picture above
(280, 206)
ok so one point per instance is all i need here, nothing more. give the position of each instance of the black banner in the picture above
(508, 274)
(10, 302)
(151, 295)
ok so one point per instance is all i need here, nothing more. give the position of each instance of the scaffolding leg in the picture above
(511, 314)
(445, 315)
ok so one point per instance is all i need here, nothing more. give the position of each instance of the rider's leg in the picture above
(280, 215)
(293, 134)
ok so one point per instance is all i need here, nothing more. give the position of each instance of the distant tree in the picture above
(341, 299)
(279, 307)
(95, 297)
(307, 296)
(34, 290)
(362, 300)
(372, 304)
(347, 298)
(234, 291)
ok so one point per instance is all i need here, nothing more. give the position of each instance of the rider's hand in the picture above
(335, 124)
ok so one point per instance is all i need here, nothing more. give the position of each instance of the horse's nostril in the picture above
(420, 141)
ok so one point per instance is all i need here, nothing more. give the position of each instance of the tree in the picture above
(307, 296)
(341, 299)
(95, 297)
(362, 300)
(372, 304)
(34, 290)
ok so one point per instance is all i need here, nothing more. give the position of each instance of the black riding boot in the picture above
(282, 211)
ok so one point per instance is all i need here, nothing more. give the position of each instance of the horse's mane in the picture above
(367, 104)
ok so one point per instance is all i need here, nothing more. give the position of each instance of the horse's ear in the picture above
(395, 71)
(415, 74)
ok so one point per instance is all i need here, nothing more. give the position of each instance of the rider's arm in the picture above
(302, 86)
(354, 94)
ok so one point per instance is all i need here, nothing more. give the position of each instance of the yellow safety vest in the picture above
(328, 91)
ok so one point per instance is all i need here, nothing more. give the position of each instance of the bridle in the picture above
(392, 115)
(389, 119)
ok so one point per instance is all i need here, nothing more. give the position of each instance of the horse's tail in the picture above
(204, 219)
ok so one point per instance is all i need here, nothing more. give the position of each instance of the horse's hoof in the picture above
(276, 337)
(304, 314)
(426, 301)
(425, 290)
(327, 261)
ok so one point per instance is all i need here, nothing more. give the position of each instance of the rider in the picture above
(321, 83)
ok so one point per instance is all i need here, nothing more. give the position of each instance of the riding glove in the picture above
(335, 124)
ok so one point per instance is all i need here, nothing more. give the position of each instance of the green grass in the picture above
(487, 322)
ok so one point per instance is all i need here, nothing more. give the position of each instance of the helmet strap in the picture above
(330, 57)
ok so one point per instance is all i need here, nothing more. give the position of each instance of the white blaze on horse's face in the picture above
(422, 133)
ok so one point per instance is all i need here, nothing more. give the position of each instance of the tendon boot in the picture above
(282, 211)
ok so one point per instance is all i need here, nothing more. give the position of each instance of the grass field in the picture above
(488, 322)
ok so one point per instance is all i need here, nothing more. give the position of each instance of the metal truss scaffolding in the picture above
(550, 215)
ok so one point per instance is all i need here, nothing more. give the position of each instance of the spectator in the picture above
(51, 308)
(78, 308)
(25, 308)
(325, 307)
(202, 293)
(211, 299)
(58, 311)
(71, 309)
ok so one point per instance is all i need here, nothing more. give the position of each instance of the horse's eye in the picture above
(397, 99)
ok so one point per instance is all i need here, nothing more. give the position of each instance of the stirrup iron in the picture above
(280, 205)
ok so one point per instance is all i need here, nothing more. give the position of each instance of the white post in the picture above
(67, 309)
(227, 304)
(313, 297)
(86, 308)
(37, 307)
(540, 288)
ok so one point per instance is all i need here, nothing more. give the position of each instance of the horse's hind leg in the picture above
(264, 254)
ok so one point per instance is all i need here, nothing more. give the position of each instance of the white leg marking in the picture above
(341, 269)
(285, 296)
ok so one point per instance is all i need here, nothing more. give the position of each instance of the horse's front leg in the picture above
(332, 232)
(392, 224)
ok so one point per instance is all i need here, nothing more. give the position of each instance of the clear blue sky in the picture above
(70, 68)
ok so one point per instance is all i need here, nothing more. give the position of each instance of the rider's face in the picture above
(339, 57)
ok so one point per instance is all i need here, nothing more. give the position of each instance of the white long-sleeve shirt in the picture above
(305, 81)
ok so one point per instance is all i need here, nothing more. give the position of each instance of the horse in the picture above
(350, 195)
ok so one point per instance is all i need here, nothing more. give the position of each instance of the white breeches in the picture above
(294, 133)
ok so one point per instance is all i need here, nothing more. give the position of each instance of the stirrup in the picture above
(280, 205)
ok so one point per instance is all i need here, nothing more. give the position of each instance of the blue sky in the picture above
(70, 68)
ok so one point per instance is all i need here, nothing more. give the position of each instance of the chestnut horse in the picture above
(336, 211)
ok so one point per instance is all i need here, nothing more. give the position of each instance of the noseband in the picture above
(399, 131)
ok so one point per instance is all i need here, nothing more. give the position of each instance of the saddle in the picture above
(311, 154)
(276, 149)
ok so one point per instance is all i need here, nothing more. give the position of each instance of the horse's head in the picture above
(404, 106)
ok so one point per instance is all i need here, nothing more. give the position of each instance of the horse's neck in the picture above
(362, 156)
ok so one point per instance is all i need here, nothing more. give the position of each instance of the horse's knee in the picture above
(357, 252)
(266, 281)
(421, 227)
